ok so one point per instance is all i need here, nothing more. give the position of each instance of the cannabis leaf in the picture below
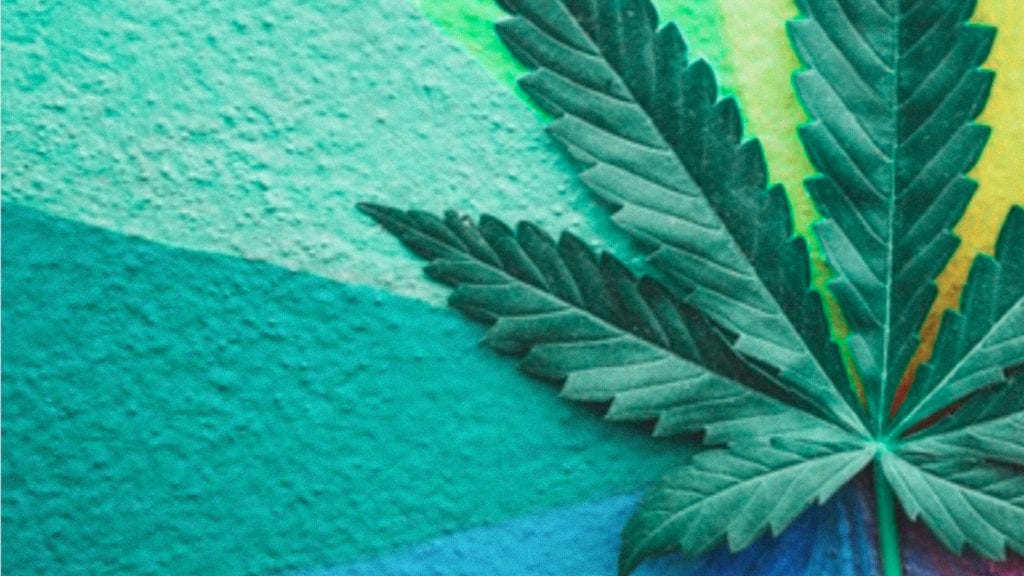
(724, 335)
(589, 322)
(660, 149)
(988, 427)
(985, 336)
(893, 87)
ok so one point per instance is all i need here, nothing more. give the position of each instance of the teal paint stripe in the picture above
(251, 128)
(173, 412)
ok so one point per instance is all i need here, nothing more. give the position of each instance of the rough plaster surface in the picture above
(251, 129)
(169, 412)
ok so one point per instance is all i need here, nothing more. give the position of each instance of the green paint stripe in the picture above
(173, 412)
(471, 24)
(764, 62)
(701, 24)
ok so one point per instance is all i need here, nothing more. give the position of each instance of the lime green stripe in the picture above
(701, 24)
(471, 24)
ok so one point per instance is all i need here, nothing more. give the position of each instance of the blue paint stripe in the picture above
(584, 540)
(581, 539)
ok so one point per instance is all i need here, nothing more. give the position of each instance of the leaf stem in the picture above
(885, 512)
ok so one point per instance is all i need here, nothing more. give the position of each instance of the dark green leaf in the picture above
(893, 88)
(661, 147)
(590, 323)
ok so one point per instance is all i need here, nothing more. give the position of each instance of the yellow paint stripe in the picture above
(999, 171)
(762, 64)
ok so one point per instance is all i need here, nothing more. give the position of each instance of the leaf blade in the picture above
(660, 147)
(735, 495)
(988, 427)
(963, 503)
(893, 96)
(589, 323)
(976, 344)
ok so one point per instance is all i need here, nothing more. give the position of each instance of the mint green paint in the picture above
(471, 24)
(172, 412)
(251, 128)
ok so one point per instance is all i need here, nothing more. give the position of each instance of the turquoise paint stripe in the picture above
(584, 540)
(173, 412)
(251, 128)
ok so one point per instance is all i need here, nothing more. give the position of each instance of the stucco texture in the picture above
(212, 363)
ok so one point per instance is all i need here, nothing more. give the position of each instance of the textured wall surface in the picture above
(252, 128)
(213, 364)
(167, 410)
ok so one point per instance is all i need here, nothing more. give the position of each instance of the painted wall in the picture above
(213, 364)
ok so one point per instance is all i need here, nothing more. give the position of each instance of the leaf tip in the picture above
(377, 211)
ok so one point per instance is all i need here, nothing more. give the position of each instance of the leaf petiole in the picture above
(885, 511)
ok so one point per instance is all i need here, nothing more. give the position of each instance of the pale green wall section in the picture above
(251, 129)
